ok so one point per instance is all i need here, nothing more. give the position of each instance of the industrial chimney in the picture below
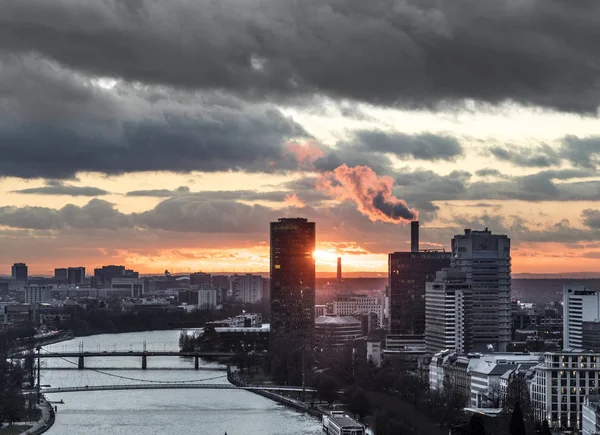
(339, 269)
(414, 236)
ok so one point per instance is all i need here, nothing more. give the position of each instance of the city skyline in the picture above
(179, 156)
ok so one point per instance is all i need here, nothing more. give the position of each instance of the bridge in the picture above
(80, 355)
(173, 385)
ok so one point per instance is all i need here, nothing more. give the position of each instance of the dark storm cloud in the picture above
(582, 152)
(425, 146)
(400, 52)
(159, 193)
(591, 218)
(71, 126)
(538, 157)
(95, 214)
(64, 189)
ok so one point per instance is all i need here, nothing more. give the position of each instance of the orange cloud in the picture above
(371, 193)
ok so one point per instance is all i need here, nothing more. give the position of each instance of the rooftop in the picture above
(337, 320)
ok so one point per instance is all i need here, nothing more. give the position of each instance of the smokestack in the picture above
(339, 269)
(414, 236)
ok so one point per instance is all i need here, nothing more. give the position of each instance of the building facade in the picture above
(207, 298)
(335, 332)
(590, 415)
(579, 305)
(346, 305)
(246, 288)
(19, 272)
(448, 306)
(485, 259)
(292, 280)
(408, 274)
(76, 275)
(560, 385)
(134, 287)
(38, 294)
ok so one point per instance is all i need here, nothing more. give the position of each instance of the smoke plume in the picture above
(372, 194)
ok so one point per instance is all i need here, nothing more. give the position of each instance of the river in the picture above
(149, 412)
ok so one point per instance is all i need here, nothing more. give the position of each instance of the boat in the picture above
(338, 423)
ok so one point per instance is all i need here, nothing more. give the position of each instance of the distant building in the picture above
(374, 353)
(207, 298)
(448, 306)
(346, 305)
(18, 315)
(292, 280)
(579, 305)
(38, 294)
(104, 275)
(134, 287)
(590, 415)
(19, 272)
(590, 335)
(485, 259)
(335, 332)
(76, 275)
(61, 275)
(320, 310)
(200, 278)
(246, 288)
(408, 273)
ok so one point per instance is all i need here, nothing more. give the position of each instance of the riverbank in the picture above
(235, 379)
(46, 420)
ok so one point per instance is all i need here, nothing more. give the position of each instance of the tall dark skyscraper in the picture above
(76, 275)
(408, 272)
(292, 279)
(19, 272)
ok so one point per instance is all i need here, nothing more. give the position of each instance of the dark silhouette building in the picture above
(103, 276)
(61, 275)
(19, 272)
(76, 275)
(200, 278)
(408, 274)
(292, 280)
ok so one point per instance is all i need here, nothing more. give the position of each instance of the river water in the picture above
(149, 412)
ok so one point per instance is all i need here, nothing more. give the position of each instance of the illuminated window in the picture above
(277, 266)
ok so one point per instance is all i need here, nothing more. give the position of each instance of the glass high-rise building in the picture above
(292, 289)
(485, 259)
(19, 272)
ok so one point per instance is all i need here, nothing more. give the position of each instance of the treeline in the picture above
(109, 317)
(14, 376)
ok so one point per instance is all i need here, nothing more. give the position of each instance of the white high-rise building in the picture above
(448, 305)
(579, 305)
(358, 304)
(207, 298)
(246, 288)
(38, 294)
(485, 259)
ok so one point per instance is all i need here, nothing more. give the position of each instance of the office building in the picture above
(335, 332)
(590, 335)
(579, 305)
(61, 275)
(38, 294)
(76, 275)
(485, 259)
(561, 383)
(448, 306)
(408, 273)
(246, 288)
(347, 305)
(292, 279)
(207, 298)
(103, 276)
(19, 272)
(200, 278)
(133, 287)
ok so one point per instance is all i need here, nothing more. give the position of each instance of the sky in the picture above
(167, 134)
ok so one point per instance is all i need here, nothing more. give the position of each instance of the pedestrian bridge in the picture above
(163, 386)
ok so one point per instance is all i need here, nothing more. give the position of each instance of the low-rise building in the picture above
(590, 415)
(38, 294)
(335, 332)
(347, 305)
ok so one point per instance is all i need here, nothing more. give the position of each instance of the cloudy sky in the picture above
(167, 134)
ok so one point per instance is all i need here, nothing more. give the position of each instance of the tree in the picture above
(494, 396)
(476, 425)
(517, 424)
(327, 389)
(382, 423)
(546, 428)
(358, 403)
